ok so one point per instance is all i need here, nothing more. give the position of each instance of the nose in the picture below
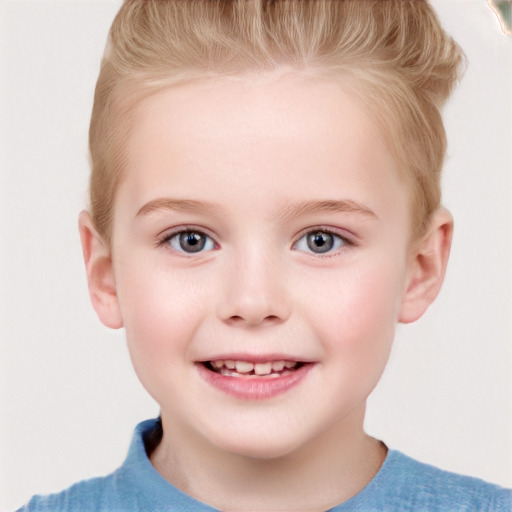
(254, 291)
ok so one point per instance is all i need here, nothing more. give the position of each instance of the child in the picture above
(265, 207)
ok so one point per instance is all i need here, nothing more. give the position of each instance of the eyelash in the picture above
(342, 241)
(166, 239)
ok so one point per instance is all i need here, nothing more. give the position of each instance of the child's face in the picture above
(259, 222)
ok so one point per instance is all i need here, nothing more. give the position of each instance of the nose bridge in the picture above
(255, 287)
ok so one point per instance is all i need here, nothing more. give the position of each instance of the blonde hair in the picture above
(396, 54)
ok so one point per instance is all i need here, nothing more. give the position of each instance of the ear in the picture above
(100, 273)
(427, 267)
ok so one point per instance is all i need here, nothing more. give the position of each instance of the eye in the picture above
(320, 242)
(190, 241)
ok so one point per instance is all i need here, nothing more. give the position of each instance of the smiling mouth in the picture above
(268, 369)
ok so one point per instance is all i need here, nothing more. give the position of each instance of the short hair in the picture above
(393, 54)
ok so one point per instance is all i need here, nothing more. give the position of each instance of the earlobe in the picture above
(427, 267)
(100, 274)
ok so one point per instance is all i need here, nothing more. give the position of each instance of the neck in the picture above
(327, 471)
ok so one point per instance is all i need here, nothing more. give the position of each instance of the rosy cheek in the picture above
(357, 309)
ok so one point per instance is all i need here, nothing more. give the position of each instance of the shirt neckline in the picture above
(142, 475)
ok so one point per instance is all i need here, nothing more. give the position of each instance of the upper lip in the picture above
(255, 358)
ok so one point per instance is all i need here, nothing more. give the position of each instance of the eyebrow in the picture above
(292, 211)
(178, 205)
(327, 206)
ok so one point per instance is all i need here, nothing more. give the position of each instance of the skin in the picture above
(256, 161)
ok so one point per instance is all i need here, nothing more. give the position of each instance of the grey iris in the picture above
(191, 241)
(320, 241)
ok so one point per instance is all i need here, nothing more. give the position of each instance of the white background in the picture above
(69, 398)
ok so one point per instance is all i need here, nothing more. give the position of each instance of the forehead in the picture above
(264, 108)
(294, 135)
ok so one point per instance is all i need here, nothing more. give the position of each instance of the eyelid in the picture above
(342, 232)
(348, 239)
(169, 233)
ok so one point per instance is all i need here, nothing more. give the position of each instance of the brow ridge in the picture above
(184, 205)
(327, 206)
(292, 211)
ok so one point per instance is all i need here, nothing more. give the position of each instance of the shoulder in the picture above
(116, 491)
(424, 487)
(95, 494)
(135, 486)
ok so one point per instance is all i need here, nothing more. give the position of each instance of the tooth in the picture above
(277, 366)
(230, 364)
(229, 373)
(218, 364)
(290, 364)
(243, 367)
(262, 368)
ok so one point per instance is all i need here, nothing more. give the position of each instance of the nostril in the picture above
(236, 320)
(239, 319)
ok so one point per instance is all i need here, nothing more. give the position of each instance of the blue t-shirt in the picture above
(401, 485)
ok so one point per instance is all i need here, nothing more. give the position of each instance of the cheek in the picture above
(355, 313)
(161, 313)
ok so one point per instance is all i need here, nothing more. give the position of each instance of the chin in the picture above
(261, 451)
(258, 444)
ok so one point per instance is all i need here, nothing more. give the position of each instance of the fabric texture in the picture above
(401, 485)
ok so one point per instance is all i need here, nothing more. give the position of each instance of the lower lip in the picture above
(253, 388)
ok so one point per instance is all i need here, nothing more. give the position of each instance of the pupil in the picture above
(192, 242)
(320, 241)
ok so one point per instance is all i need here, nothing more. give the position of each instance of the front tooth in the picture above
(243, 367)
(230, 364)
(277, 366)
(290, 364)
(262, 368)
